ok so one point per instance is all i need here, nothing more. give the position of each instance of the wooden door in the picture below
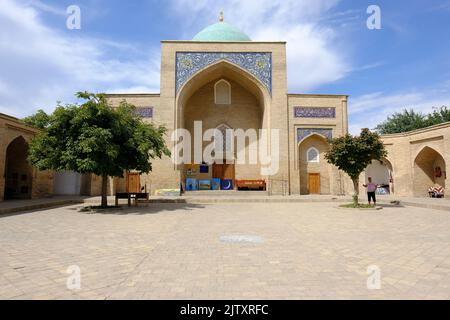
(228, 172)
(133, 183)
(314, 183)
(224, 171)
(217, 171)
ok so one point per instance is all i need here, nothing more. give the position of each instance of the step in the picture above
(232, 193)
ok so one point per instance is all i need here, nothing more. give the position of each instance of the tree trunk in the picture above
(104, 191)
(355, 191)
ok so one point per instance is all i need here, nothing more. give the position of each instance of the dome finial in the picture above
(221, 18)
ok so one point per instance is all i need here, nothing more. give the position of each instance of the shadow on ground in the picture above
(156, 208)
(391, 205)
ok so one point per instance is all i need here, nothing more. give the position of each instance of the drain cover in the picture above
(241, 239)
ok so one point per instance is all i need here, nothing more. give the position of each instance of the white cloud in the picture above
(47, 8)
(314, 58)
(367, 111)
(41, 65)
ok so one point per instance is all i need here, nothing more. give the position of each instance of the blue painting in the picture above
(191, 184)
(204, 185)
(227, 185)
(204, 169)
(216, 184)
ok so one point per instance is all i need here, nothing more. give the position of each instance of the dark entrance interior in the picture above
(18, 172)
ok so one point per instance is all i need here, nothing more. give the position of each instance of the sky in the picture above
(330, 50)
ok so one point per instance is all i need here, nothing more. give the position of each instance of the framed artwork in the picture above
(216, 184)
(191, 184)
(204, 185)
(204, 169)
(227, 184)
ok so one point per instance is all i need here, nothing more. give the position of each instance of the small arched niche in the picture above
(222, 92)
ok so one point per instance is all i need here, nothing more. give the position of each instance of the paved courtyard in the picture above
(181, 251)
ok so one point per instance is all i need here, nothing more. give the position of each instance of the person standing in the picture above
(371, 189)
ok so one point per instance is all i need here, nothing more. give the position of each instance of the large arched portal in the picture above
(18, 171)
(224, 96)
(429, 171)
(315, 172)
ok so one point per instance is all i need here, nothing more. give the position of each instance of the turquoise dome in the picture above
(221, 31)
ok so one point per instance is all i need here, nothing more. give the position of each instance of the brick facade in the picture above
(26, 181)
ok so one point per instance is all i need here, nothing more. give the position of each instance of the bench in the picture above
(251, 185)
(131, 196)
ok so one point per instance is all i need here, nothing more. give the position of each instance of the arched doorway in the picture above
(429, 171)
(315, 172)
(382, 173)
(224, 96)
(18, 171)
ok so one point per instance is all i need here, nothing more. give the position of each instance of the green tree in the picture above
(438, 116)
(39, 120)
(95, 138)
(353, 154)
(405, 121)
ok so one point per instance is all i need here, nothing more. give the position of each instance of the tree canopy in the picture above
(95, 138)
(38, 120)
(409, 120)
(353, 154)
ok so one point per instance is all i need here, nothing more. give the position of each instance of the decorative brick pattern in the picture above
(259, 64)
(302, 133)
(314, 112)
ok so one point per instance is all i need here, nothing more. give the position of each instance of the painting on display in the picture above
(191, 184)
(204, 169)
(227, 184)
(204, 185)
(216, 184)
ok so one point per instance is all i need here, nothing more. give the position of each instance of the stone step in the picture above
(226, 193)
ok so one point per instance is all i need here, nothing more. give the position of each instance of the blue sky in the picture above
(330, 49)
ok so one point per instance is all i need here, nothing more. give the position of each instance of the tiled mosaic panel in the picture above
(259, 64)
(303, 133)
(314, 112)
(145, 112)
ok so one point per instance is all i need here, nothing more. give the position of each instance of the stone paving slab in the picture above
(15, 206)
(176, 251)
(255, 197)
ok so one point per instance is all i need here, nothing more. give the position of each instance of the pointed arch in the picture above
(314, 134)
(222, 92)
(429, 171)
(222, 69)
(18, 171)
(234, 75)
(312, 164)
(313, 155)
